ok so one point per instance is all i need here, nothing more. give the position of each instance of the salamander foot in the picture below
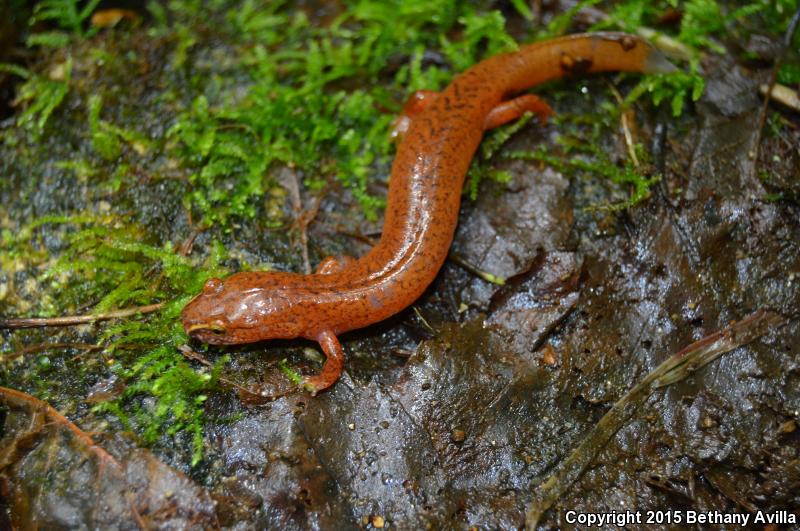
(332, 369)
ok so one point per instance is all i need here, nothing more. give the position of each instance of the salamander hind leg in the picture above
(332, 369)
(510, 110)
(332, 264)
(416, 103)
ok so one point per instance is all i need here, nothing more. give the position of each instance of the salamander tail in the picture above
(657, 63)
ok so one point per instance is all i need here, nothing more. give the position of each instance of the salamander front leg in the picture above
(333, 366)
(510, 110)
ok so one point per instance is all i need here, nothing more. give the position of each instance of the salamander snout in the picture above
(205, 318)
(214, 331)
(247, 307)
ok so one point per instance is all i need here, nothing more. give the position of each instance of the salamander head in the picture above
(246, 307)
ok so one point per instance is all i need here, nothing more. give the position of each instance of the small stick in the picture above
(782, 94)
(303, 221)
(20, 400)
(187, 246)
(480, 273)
(424, 322)
(303, 218)
(762, 115)
(72, 320)
(675, 368)
(245, 394)
(626, 129)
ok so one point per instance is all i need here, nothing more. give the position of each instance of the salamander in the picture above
(440, 133)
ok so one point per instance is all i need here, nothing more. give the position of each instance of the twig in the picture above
(245, 394)
(782, 94)
(674, 369)
(401, 353)
(762, 116)
(188, 244)
(72, 320)
(626, 129)
(485, 275)
(20, 400)
(303, 221)
(302, 217)
(424, 322)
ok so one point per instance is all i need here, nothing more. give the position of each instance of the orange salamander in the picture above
(439, 137)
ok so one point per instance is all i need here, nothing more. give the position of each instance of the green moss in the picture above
(292, 375)
(107, 263)
(40, 94)
(773, 198)
(483, 168)
(675, 88)
(776, 16)
(68, 14)
(292, 105)
(789, 74)
(179, 390)
(704, 18)
(583, 154)
(105, 142)
(295, 113)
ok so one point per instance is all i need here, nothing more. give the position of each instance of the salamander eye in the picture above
(217, 327)
(212, 286)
